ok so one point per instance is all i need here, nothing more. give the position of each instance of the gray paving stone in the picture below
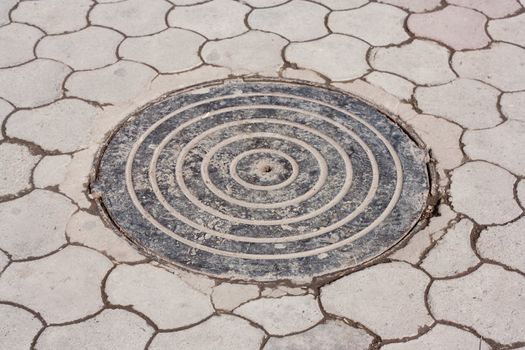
(386, 28)
(18, 327)
(51, 171)
(217, 19)
(342, 4)
(490, 300)
(336, 56)
(378, 293)
(421, 61)
(302, 74)
(4, 260)
(175, 305)
(36, 224)
(5, 109)
(171, 51)
(21, 163)
(513, 105)
(33, 84)
(264, 3)
(111, 329)
(75, 181)
(511, 29)
(296, 20)
(414, 6)
(484, 192)
(222, 332)
(392, 84)
(62, 287)
(62, 126)
(520, 190)
(75, 49)
(491, 8)
(227, 296)
(17, 42)
(5, 8)
(285, 315)
(331, 335)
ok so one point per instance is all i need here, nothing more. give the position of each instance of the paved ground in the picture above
(453, 70)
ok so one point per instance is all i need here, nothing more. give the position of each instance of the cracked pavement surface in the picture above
(452, 70)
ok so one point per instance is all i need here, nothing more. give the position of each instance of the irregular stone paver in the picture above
(492, 8)
(18, 327)
(35, 224)
(495, 65)
(53, 16)
(442, 337)
(5, 109)
(342, 4)
(504, 244)
(175, 303)
(263, 3)
(62, 287)
(51, 171)
(4, 260)
(392, 84)
(385, 29)
(251, 52)
(33, 84)
(421, 61)
(223, 332)
(75, 49)
(490, 300)
(509, 29)
(457, 27)
(469, 103)
(501, 145)
(217, 19)
(332, 335)
(62, 126)
(284, 315)
(89, 230)
(296, 20)
(20, 162)
(5, 8)
(520, 190)
(374, 297)
(227, 296)
(337, 56)
(452, 254)
(442, 137)
(117, 83)
(187, 2)
(513, 105)
(111, 329)
(132, 17)
(17, 42)
(484, 192)
(173, 50)
(75, 182)
(414, 6)
(302, 74)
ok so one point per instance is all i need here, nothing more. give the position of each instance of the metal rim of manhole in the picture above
(262, 180)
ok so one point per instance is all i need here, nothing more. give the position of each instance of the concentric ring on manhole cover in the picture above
(262, 180)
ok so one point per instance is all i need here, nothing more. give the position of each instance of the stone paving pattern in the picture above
(452, 70)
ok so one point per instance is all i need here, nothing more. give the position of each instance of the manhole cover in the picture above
(262, 180)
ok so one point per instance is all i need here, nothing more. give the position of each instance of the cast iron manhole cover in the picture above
(262, 180)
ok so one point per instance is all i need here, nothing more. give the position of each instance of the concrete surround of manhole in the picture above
(262, 180)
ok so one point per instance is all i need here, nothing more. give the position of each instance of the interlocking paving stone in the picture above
(385, 29)
(18, 327)
(35, 224)
(495, 65)
(492, 8)
(302, 74)
(510, 29)
(490, 300)
(222, 332)
(243, 220)
(175, 305)
(332, 335)
(285, 315)
(75, 49)
(53, 16)
(342, 4)
(415, 6)
(421, 61)
(520, 191)
(217, 19)
(5, 109)
(5, 8)
(441, 337)
(513, 105)
(34, 83)
(469, 103)
(111, 329)
(163, 50)
(75, 182)
(391, 83)
(22, 162)
(62, 287)
(375, 296)
(51, 171)
(17, 42)
(227, 296)
(504, 244)
(264, 3)
(61, 126)
(4, 260)
(484, 192)
(296, 20)
(339, 57)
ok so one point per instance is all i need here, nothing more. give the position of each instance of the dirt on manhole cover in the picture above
(262, 180)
